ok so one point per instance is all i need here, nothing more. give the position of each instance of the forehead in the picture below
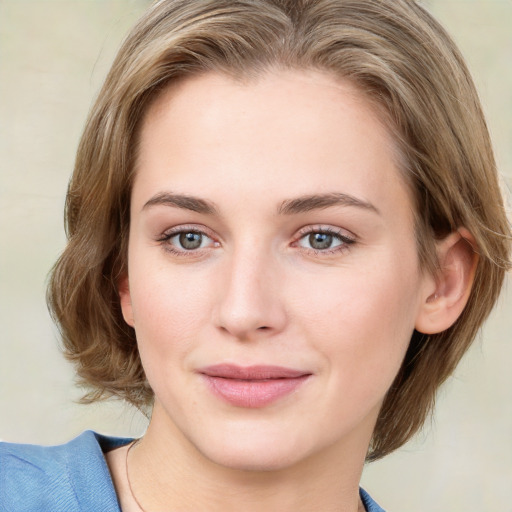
(288, 133)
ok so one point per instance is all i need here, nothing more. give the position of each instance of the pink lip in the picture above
(252, 386)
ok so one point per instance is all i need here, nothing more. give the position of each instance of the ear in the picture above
(449, 291)
(123, 289)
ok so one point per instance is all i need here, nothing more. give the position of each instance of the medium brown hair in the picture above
(408, 68)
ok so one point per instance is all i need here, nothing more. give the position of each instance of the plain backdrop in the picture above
(54, 55)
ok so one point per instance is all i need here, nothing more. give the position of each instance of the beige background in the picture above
(53, 57)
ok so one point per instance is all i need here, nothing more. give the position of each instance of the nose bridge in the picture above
(251, 301)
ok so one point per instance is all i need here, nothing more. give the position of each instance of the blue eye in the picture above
(188, 240)
(324, 240)
(321, 241)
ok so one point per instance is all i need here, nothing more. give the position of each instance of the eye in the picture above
(183, 240)
(189, 240)
(320, 241)
(324, 240)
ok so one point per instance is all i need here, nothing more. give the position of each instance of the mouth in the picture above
(252, 386)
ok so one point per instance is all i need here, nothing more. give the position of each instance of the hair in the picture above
(403, 62)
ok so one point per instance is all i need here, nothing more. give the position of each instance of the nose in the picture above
(251, 299)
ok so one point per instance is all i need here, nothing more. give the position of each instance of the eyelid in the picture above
(194, 228)
(323, 228)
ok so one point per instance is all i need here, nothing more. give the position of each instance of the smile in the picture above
(254, 386)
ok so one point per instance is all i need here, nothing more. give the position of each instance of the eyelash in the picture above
(344, 245)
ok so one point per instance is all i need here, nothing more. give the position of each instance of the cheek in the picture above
(168, 313)
(169, 308)
(363, 320)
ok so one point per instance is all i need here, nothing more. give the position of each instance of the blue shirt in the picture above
(73, 477)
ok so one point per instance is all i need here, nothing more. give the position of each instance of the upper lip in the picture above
(256, 372)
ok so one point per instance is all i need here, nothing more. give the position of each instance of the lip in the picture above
(252, 386)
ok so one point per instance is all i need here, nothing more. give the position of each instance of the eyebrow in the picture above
(302, 204)
(185, 202)
(307, 203)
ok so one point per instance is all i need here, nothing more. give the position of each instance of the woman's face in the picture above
(273, 280)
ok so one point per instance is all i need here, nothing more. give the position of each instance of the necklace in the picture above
(128, 476)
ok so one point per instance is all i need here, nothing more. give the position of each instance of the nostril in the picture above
(263, 328)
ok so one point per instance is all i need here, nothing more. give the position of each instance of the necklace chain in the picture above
(128, 476)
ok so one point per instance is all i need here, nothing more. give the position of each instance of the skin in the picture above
(258, 292)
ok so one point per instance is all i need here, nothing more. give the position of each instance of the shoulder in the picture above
(368, 502)
(58, 478)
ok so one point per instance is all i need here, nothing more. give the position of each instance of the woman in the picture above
(285, 229)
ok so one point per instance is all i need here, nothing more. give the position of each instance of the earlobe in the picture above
(126, 300)
(452, 285)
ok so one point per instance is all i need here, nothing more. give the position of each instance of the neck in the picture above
(168, 473)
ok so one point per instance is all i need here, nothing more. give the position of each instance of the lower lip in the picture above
(253, 394)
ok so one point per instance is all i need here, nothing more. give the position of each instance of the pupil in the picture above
(190, 240)
(320, 240)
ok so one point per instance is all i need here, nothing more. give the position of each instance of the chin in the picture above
(242, 459)
(256, 453)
